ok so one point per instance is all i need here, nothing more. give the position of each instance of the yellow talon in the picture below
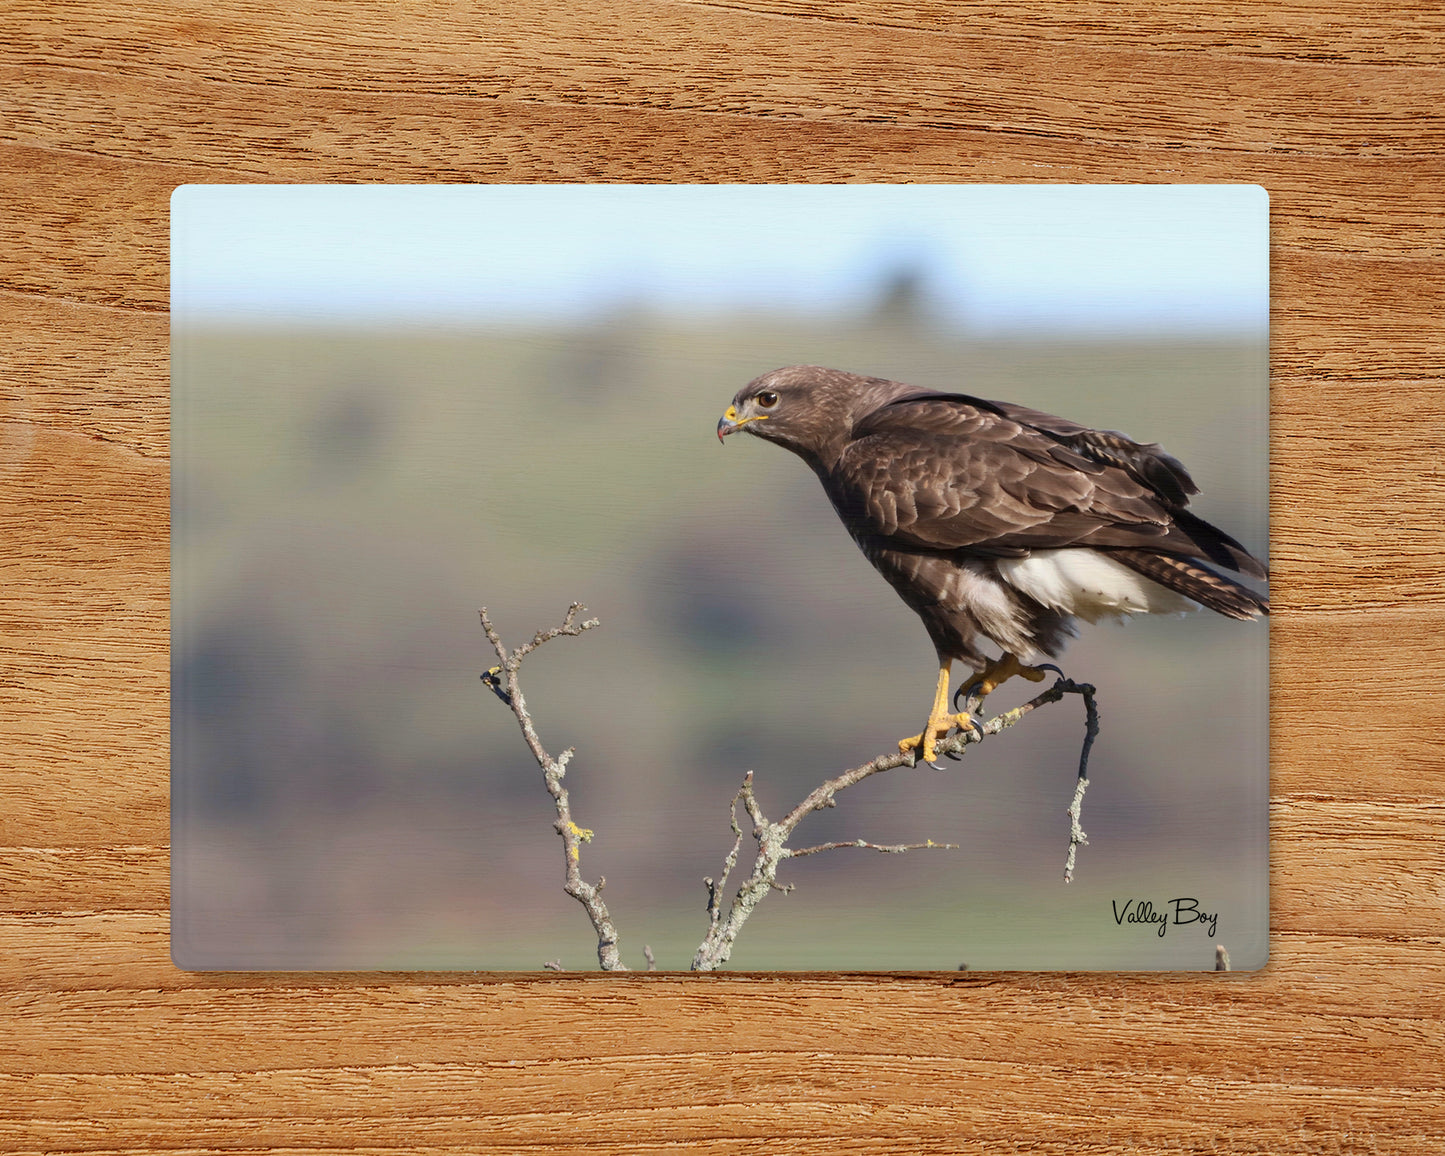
(995, 674)
(940, 720)
(935, 734)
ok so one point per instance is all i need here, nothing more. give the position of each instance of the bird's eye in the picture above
(767, 399)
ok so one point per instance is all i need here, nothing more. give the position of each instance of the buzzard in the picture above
(993, 520)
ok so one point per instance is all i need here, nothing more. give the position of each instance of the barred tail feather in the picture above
(1218, 546)
(1196, 582)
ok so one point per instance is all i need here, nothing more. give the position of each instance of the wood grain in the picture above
(1334, 107)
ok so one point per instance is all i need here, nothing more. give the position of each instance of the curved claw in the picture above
(1050, 666)
(957, 756)
(962, 692)
(977, 730)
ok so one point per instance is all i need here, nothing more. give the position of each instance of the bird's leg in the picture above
(940, 721)
(995, 674)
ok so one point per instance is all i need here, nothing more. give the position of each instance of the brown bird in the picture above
(995, 520)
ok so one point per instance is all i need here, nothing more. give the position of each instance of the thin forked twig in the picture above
(715, 889)
(1077, 838)
(503, 681)
(885, 848)
(772, 838)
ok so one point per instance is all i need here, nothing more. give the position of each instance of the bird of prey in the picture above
(998, 521)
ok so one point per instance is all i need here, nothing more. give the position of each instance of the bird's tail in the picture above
(1195, 581)
(1214, 544)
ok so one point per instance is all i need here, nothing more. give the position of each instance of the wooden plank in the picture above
(84, 643)
(1304, 1003)
(102, 373)
(1335, 1047)
(108, 878)
(73, 190)
(629, 53)
(1342, 31)
(747, 1097)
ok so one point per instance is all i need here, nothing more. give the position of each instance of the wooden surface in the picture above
(1337, 1047)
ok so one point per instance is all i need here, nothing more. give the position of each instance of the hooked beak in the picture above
(731, 423)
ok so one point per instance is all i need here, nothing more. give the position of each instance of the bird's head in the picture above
(805, 408)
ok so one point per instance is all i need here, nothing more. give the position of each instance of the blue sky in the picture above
(1113, 258)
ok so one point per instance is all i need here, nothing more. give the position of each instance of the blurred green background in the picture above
(347, 794)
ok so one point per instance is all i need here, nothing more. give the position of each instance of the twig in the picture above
(887, 849)
(1077, 838)
(1061, 687)
(772, 838)
(503, 681)
(715, 890)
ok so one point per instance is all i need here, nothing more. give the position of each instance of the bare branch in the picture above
(566, 628)
(1077, 838)
(715, 890)
(772, 838)
(887, 849)
(504, 682)
(717, 945)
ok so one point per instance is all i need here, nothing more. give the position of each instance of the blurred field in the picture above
(347, 794)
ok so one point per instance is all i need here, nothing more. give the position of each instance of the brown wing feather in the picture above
(1146, 462)
(944, 472)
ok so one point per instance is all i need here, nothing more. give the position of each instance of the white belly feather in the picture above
(1089, 584)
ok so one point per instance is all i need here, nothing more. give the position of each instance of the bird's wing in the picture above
(947, 471)
(1145, 462)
